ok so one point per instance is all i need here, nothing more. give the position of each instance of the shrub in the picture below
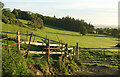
(14, 64)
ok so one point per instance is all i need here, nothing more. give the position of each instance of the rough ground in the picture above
(96, 70)
(35, 70)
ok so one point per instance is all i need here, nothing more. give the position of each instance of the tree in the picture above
(114, 32)
(15, 12)
(83, 30)
(7, 13)
(1, 5)
(5, 19)
(37, 22)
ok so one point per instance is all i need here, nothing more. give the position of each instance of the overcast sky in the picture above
(98, 12)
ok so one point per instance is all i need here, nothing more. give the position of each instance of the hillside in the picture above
(70, 37)
(29, 46)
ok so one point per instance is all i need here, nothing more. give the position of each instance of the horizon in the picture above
(97, 13)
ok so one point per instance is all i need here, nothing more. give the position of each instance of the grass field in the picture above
(97, 61)
(89, 40)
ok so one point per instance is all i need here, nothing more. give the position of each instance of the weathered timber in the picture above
(41, 44)
(41, 52)
(77, 51)
(18, 41)
(48, 46)
(38, 57)
(51, 48)
(8, 37)
(66, 50)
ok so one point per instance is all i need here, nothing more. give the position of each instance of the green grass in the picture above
(88, 41)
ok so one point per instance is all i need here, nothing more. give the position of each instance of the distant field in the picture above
(89, 41)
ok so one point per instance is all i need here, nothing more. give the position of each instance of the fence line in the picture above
(33, 35)
(61, 46)
(46, 44)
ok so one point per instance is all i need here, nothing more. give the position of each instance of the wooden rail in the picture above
(50, 48)
(41, 52)
(42, 44)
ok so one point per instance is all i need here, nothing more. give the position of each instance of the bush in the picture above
(14, 64)
(5, 19)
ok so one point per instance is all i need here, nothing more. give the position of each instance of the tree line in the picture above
(108, 31)
(38, 21)
(70, 23)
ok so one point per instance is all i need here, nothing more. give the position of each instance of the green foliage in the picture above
(68, 23)
(14, 64)
(68, 66)
(7, 13)
(108, 31)
(114, 32)
(83, 30)
(99, 56)
(1, 5)
(79, 63)
(10, 18)
(5, 19)
(36, 23)
(15, 12)
(87, 41)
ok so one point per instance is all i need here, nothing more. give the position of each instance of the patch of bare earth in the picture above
(35, 70)
(97, 70)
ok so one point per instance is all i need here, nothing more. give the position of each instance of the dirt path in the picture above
(36, 71)
(96, 70)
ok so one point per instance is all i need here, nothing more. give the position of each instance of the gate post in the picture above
(77, 51)
(18, 41)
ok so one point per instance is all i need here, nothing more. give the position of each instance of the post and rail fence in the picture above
(61, 46)
(64, 49)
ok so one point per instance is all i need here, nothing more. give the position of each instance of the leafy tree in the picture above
(15, 12)
(5, 19)
(99, 30)
(24, 15)
(7, 13)
(83, 30)
(37, 22)
(114, 32)
(1, 5)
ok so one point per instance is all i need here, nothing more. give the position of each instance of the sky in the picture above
(96, 12)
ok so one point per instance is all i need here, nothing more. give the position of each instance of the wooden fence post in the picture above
(29, 45)
(66, 49)
(61, 45)
(34, 39)
(18, 41)
(74, 52)
(77, 51)
(46, 39)
(48, 46)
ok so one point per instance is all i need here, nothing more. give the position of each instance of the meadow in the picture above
(70, 37)
(102, 59)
